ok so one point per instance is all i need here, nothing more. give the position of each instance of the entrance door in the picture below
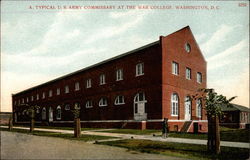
(139, 106)
(187, 108)
(50, 114)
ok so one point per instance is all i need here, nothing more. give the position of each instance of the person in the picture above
(165, 128)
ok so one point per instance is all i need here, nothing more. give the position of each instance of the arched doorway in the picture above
(44, 113)
(50, 114)
(139, 106)
(188, 105)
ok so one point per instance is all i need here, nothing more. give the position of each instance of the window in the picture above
(44, 113)
(102, 79)
(43, 95)
(199, 77)
(188, 73)
(187, 47)
(15, 102)
(198, 108)
(37, 96)
(32, 98)
(174, 104)
(27, 99)
(50, 93)
(88, 83)
(37, 110)
(66, 89)
(19, 101)
(67, 107)
(119, 74)
(119, 100)
(22, 100)
(77, 86)
(103, 102)
(175, 68)
(58, 112)
(89, 104)
(140, 69)
(77, 106)
(58, 91)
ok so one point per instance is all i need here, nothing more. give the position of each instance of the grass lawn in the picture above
(191, 151)
(60, 135)
(227, 134)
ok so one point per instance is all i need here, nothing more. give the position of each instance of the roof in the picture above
(235, 107)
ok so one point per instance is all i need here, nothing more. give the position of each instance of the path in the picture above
(147, 137)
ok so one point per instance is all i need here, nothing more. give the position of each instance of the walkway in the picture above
(147, 137)
(23, 146)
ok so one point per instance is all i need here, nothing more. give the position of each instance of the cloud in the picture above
(217, 38)
(120, 27)
(224, 58)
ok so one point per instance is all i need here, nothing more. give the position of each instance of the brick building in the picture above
(134, 90)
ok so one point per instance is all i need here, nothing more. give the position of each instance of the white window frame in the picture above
(199, 77)
(58, 91)
(119, 101)
(27, 99)
(174, 104)
(175, 68)
(89, 104)
(32, 98)
(103, 102)
(88, 83)
(37, 96)
(59, 113)
(19, 102)
(199, 108)
(102, 79)
(119, 74)
(22, 100)
(50, 93)
(139, 69)
(66, 89)
(188, 73)
(77, 86)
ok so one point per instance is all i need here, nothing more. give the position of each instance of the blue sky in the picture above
(40, 45)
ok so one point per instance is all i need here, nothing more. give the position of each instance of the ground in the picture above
(22, 146)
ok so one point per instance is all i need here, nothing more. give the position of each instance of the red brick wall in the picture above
(129, 87)
(173, 50)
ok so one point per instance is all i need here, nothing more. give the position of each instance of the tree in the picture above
(31, 110)
(213, 104)
(77, 123)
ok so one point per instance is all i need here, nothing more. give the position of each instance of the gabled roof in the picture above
(235, 107)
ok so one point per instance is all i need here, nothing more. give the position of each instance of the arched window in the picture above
(174, 104)
(103, 102)
(198, 108)
(89, 104)
(139, 103)
(77, 106)
(58, 112)
(44, 113)
(119, 100)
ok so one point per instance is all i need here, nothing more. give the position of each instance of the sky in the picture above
(39, 44)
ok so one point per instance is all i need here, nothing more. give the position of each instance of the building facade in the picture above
(236, 116)
(137, 89)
